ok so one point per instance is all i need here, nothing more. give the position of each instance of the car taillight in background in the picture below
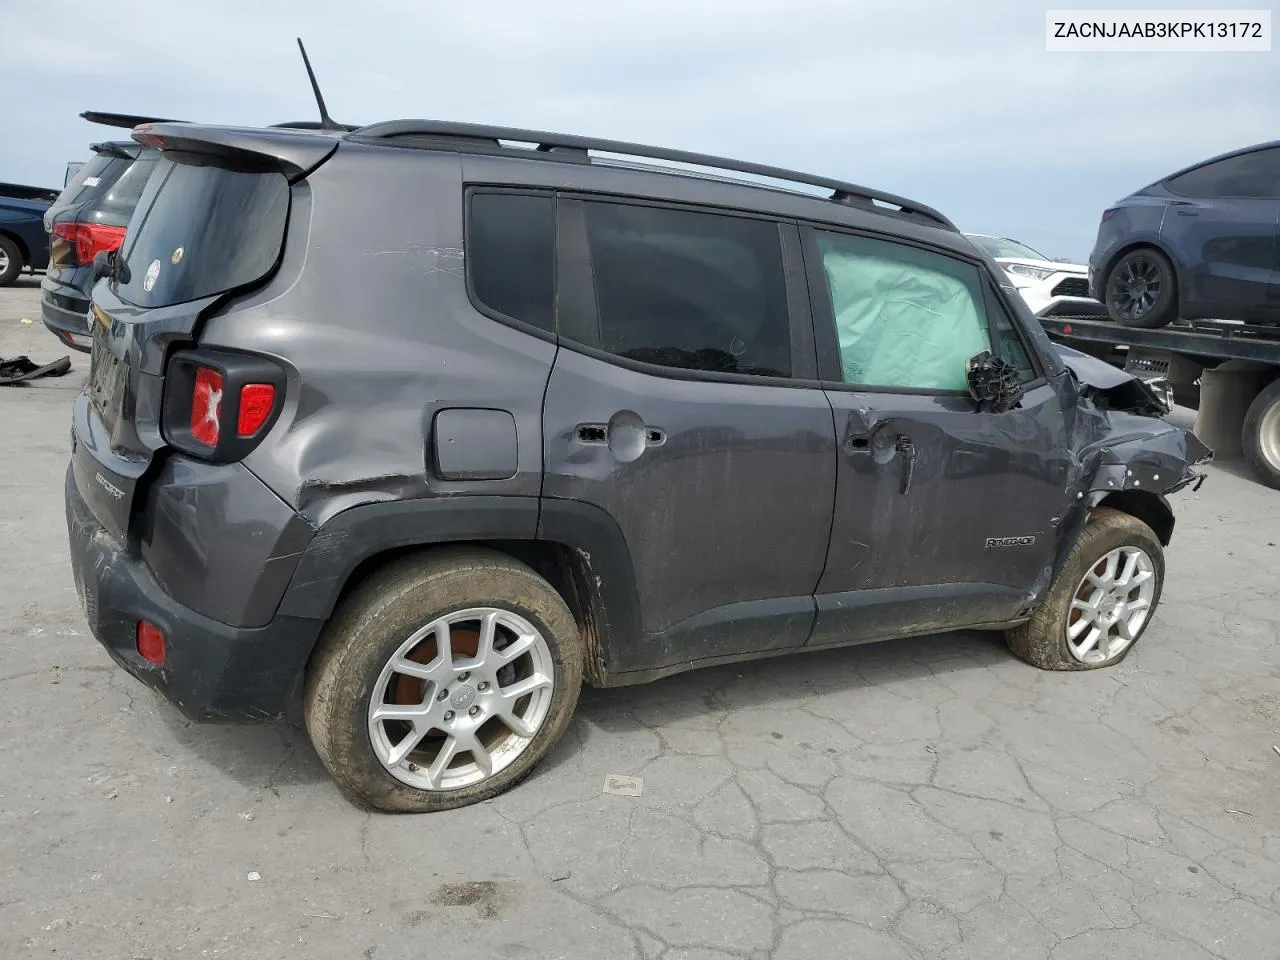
(218, 405)
(81, 242)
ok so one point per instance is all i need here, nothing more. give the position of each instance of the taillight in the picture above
(86, 240)
(206, 406)
(217, 405)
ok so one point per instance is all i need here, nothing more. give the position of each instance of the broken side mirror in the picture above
(993, 382)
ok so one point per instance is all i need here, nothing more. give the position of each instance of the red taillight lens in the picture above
(87, 240)
(257, 400)
(151, 642)
(206, 406)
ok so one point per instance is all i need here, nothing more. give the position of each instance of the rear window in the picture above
(116, 204)
(89, 179)
(201, 230)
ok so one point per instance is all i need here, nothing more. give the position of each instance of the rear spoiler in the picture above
(126, 120)
(19, 191)
(296, 152)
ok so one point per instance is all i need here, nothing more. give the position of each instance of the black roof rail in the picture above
(842, 192)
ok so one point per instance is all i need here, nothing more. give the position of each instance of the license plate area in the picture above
(106, 371)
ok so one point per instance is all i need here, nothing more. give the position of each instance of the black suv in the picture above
(89, 216)
(430, 423)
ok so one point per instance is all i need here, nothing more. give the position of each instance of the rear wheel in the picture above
(1101, 601)
(1141, 290)
(442, 681)
(10, 261)
(1260, 435)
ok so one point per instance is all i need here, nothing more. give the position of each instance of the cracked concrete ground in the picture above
(918, 799)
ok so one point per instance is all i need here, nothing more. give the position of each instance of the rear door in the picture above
(682, 403)
(945, 515)
(199, 231)
(1222, 221)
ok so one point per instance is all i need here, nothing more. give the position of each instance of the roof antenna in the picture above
(326, 122)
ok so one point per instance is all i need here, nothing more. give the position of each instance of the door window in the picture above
(905, 318)
(511, 250)
(690, 290)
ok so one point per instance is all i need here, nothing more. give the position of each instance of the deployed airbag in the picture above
(910, 321)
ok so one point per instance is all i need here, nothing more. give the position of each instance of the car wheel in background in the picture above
(442, 681)
(1141, 290)
(10, 261)
(1101, 601)
(1260, 435)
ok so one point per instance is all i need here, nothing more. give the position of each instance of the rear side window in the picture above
(905, 318)
(690, 290)
(201, 230)
(511, 251)
(1249, 175)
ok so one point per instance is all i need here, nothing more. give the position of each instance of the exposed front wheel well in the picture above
(1147, 507)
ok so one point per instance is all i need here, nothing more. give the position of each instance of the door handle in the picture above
(908, 449)
(1188, 213)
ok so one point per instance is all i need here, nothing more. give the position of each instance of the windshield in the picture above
(202, 229)
(1000, 247)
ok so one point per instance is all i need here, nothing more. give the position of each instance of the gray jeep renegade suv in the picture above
(431, 423)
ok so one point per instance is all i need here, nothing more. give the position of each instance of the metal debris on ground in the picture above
(254, 875)
(621, 786)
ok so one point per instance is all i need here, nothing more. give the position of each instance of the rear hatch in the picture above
(91, 215)
(206, 225)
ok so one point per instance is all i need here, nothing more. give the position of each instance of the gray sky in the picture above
(954, 106)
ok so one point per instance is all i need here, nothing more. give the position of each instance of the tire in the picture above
(11, 258)
(1260, 435)
(375, 623)
(1127, 291)
(1043, 640)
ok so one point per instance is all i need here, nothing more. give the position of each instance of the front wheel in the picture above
(1101, 601)
(1260, 435)
(1141, 290)
(442, 681)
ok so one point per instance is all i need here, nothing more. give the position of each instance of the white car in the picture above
(1051, 288)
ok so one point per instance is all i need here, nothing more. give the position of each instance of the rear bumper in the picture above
(65, 313)
(212, 671)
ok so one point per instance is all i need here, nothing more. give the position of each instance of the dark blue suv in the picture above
(1200, 243)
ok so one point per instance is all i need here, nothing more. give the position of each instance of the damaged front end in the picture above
(1124, 453)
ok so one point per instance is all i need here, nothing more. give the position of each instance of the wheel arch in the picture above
(1151, 508)
(576, 547)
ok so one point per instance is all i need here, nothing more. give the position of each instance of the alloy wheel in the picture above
(1136, 286)
(461, 699)
(1111, 605)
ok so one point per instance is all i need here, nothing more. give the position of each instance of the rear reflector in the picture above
(87, 240)
(151, 642)
(206, 404)
(257, 400)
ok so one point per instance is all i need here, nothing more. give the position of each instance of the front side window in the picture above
(690, 290)
(511, 250)
(905, 318)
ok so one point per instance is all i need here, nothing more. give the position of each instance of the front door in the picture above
(673, 405)
(945, 516)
